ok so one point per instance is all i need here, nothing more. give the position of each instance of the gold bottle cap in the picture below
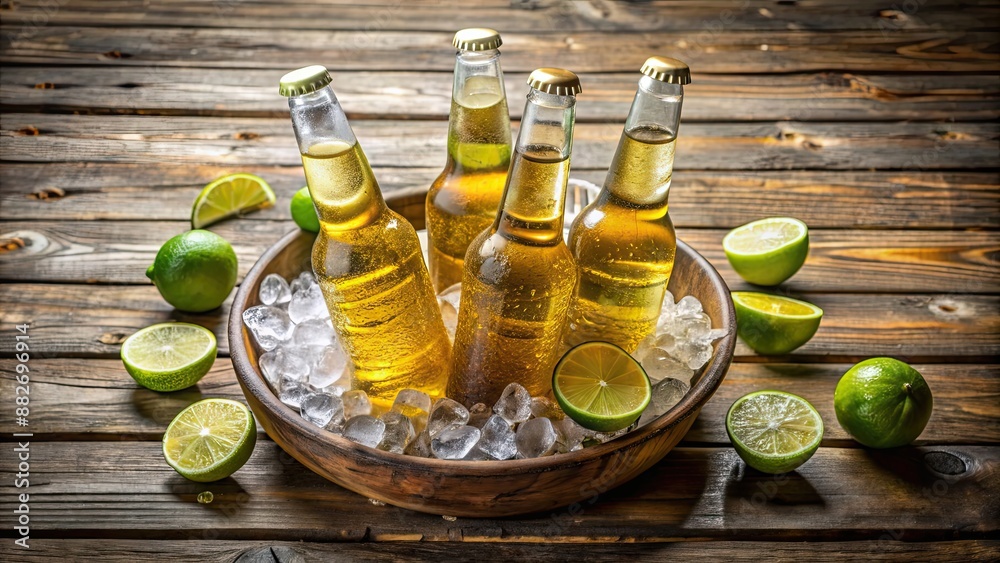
(667, 70)
(304, 80)
(477, 39)
(557, 81)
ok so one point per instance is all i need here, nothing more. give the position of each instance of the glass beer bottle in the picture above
(519, 274)
(464, 198)
(366, 257)
(624, 242)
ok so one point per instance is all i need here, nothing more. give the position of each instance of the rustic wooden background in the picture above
(876, 122)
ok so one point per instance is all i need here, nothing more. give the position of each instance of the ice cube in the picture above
(666, 394)
(283, 362)
(399, 432)
(365, 430)
(571, 435)
(688, 306)
(700, 358)
(414, 404)
(269, 325)
(448, 301)
(445, 413)
(420, 446)
(313, 332)
(659, 365)
(603, 437)
(292, 392)
(303, 281)
(514, 404)
(307, 304)
(476, 454)
(536, 438)
(274, 290)
(498, 440)
(332, 368)
(455, 442)
(478, 414)
(325, 411)
(356, 403)
(544, 407)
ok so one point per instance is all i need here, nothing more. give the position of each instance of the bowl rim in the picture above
(253, 382)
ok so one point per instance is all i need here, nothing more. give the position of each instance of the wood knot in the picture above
(112, 338)
(246, 136)
(948, 307)
(893, 15)
(29, 131)
(116, 54)
(12, 243)
(45, 86)
(7, 5)
(51, 193)
(945, 463)
(272, 554)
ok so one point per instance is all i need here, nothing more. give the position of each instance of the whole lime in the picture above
(194, 271)
(883, 403)
(304, 212)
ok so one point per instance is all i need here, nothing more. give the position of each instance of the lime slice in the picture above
(774, 325)
(883, 403)
(601, 387)
(304, 212)
(768, 251)
(169, 356)
(236, 194)
(210, 439)
(774, 431)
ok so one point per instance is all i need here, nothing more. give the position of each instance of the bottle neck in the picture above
(642, 168)
(341, 182)
(535, 195)
(479, 125)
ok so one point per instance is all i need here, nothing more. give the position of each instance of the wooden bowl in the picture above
(474, 488)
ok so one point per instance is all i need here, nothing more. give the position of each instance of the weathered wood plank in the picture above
(91, 321)
(827, 96)
(108, 404)
(839, 260)
(546, 15)
(745, 147)
(89, 489)
(918, 200)
(743, 52)
(130, 551)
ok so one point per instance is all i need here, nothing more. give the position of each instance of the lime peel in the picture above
(601, 387)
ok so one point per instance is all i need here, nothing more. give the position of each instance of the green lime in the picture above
(169, 356)
(774, 431)
(194, 271)
(304, 212)
(235, 194)
(210, 439)
(883, 403)
(768, 251)
(771, 324)
(601, 387)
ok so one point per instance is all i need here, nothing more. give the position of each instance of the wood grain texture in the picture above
(825, 96)
(533, 15)
(130, 551)
(75, 320)
(90, 489)
(834, 199)
(108, 405)
(745, 147)
(870, 50)
(839, 260)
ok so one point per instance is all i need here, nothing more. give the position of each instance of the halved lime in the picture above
(169, 356)
(235, 194)
(771, 324)
(883, 403)
(601, 386)
(774, 431)
(304, 212)
(768, 251)
(210, 439)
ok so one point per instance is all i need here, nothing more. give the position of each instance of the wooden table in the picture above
(874, 122)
